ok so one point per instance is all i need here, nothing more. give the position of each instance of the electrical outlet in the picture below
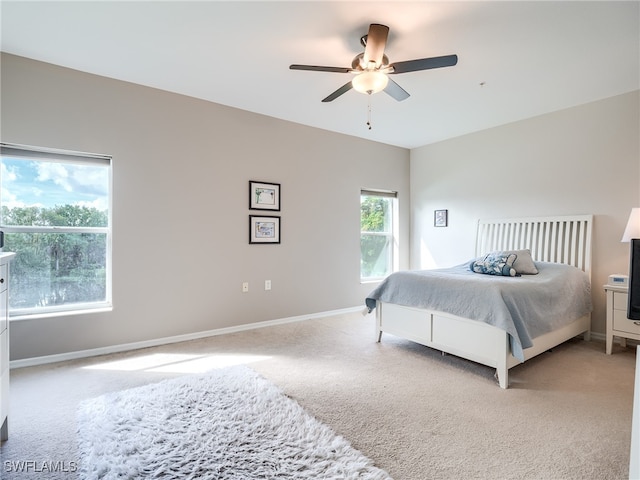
(245, 287)
(267, 284)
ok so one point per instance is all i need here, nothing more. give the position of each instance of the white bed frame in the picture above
(564, 239)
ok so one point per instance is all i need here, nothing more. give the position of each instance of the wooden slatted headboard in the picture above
(560, 239)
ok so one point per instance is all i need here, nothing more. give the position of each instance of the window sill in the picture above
(61, 313)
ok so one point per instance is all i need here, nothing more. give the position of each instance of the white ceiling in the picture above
(516, 59)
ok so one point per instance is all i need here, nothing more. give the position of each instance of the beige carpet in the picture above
(417, 414)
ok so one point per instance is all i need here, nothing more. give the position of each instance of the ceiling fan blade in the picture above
(376, 43)
(343, 89)
(396, 91)
(424, 64)
(316, 68)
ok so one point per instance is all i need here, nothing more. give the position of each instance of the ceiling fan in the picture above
(371, 68)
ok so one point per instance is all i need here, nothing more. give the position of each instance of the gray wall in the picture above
(181, 168)
(580, 160)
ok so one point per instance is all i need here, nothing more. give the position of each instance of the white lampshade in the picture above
(633, 226)
(370, 82)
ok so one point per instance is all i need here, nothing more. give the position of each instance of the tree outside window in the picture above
(377, 242)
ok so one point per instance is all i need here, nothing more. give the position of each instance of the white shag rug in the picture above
(227, 424)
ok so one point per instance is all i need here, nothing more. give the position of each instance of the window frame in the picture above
(392, 234)
(44, 154)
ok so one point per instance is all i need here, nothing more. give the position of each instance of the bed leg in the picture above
(502, 370)
(587, 336)
(379, 336)
(503, 378)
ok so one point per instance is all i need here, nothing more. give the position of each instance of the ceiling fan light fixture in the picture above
(370, 82)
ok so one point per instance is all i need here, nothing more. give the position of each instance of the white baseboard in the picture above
(600, 337)
(61, 357)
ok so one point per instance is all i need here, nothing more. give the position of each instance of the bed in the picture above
(497, 320)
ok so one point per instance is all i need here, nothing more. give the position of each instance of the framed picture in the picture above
(264, 196)
(440, 218)
(264, 229)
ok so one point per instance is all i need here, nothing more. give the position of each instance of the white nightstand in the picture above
(5, 257)
(618, 325)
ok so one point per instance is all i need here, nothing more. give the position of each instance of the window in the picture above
(378, 234)
(55, 212)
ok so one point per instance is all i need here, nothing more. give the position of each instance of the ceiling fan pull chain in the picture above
(369, 112)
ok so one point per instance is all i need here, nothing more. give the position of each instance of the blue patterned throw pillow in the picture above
(495, 264)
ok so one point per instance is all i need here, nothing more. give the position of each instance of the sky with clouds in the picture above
(47, 184)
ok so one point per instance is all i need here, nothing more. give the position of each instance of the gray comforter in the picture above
(525, 307)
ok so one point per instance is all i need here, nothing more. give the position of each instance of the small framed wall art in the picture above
(264, 196)
(264, 229)
(440, 218)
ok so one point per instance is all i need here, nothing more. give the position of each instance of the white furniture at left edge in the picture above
(5, 257)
